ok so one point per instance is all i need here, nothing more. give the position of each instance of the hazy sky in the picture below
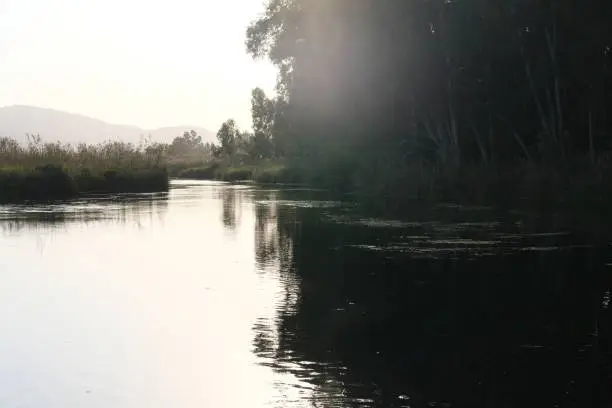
(136, 62)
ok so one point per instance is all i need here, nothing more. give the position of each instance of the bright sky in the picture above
(144, 63)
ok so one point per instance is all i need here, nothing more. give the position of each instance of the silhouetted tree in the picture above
(262, 113)
(227, 135)
(446, 83)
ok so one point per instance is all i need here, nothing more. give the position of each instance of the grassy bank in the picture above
(48, 171)
(50, 182)
(273, 173)
(122, 181)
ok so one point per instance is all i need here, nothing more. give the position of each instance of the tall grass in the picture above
(41, 171)
(96, 157)
(264, 172)
(41, 183)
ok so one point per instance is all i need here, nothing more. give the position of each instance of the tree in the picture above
(227, 135)
(455, 82)
(210, 151)
(189, 142)
(262, 113)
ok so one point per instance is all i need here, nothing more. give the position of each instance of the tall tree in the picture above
(262, 113)
(445, 82)
(227, 135)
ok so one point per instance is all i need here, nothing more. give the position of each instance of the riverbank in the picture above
(273, 173)
(576, 194)
(51, 182)
(578, 189)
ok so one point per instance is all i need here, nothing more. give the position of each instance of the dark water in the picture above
(238, 296)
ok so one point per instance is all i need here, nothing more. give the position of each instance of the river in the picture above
(222, 296)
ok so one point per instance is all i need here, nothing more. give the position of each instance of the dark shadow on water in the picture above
(448, 311)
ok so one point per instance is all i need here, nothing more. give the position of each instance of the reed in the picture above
(50, 171)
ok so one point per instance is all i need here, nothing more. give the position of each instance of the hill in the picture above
(53, 125)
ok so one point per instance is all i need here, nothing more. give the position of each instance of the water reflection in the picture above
(126, 208)
(229, 216)
(231, 296)
(148, 302)
(527, 325)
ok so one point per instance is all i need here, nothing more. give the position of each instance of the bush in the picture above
(278, 174)
(237, 174)
(50, 182)
(123, 181)
(200, 173)
(48, 171)
(46, 182)
(263, 173)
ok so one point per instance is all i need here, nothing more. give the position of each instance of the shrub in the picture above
(48, 182)
(200, 173)
(237, 174)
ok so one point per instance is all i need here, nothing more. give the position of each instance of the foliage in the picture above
(227, 135)
(262, 111)
(47, 171)
(122, 181)
(261, 172)
(276, 173)
(101, 156)
(237, 173)
(208, 172)
(187, 143)
(51, 182)
(456, 84)
(43, 182)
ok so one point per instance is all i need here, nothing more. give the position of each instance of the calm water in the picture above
(219, 295)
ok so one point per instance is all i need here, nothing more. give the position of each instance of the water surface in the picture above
(219, 295)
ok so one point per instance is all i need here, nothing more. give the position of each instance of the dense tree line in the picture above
(442, 82)
(236, 145)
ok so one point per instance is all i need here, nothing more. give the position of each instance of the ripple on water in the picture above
(301, 203)
(448, 240)
(374, 222)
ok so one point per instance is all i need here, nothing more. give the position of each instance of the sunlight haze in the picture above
(149, 64)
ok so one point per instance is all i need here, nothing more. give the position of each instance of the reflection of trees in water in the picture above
(230, 198)
(527, 329)
(275, 229)
(267, 238)
(118, 210)
(273, 243)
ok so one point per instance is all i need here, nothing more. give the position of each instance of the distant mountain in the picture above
(53, 125)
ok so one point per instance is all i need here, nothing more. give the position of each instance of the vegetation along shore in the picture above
(453, 119)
